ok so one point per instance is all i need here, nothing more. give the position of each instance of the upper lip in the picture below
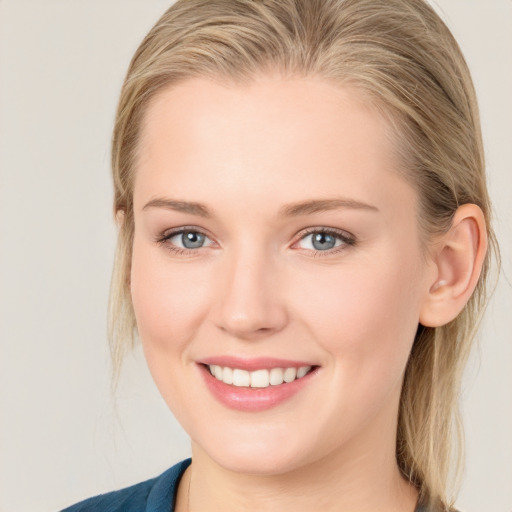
(251, 364)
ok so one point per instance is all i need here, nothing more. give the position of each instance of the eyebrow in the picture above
(180, 206)
(323, 205)
(290, 210)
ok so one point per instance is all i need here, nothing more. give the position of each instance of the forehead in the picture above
(304, 135)
(291, 108)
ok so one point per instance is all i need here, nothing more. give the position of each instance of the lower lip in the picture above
(253, 399)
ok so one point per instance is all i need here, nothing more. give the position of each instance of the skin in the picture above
(259, 288)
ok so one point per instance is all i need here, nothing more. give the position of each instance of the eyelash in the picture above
(164, 238)
(346, 239)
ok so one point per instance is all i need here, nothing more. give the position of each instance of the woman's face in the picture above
(274, 236)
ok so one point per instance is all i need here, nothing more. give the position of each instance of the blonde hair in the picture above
(403, 58)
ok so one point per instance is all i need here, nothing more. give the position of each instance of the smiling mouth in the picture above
(256, 384)
(260, 379)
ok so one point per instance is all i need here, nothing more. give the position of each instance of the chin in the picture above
(261, 464)
(255, 454)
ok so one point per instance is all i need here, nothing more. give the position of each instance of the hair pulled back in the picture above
(403, 59)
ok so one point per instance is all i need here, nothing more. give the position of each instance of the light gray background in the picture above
(61, 438)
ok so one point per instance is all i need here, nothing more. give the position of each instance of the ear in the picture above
(457, 260)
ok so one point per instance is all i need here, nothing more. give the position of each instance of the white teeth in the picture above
(258, 378)
(217, 371)
(241, 378)
(302, 371)
(276, 376)
(227, 375)
(290, 374)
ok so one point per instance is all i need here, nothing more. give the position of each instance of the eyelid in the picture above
(164, 237)
(346, 238)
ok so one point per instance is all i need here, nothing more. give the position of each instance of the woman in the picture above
(304, 226)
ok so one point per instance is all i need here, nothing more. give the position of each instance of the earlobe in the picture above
(458, 261)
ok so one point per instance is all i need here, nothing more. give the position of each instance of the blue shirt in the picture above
(155, 495)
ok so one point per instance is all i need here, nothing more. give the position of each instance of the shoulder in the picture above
(153, 495)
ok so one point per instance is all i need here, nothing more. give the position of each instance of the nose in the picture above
(250, 304)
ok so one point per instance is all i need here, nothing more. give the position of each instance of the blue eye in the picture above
(324, 240)
(191, 239)
(186, 239)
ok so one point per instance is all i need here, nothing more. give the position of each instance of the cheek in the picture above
(365, 315)
(169, 305)
(365, 319)
(167, 302)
